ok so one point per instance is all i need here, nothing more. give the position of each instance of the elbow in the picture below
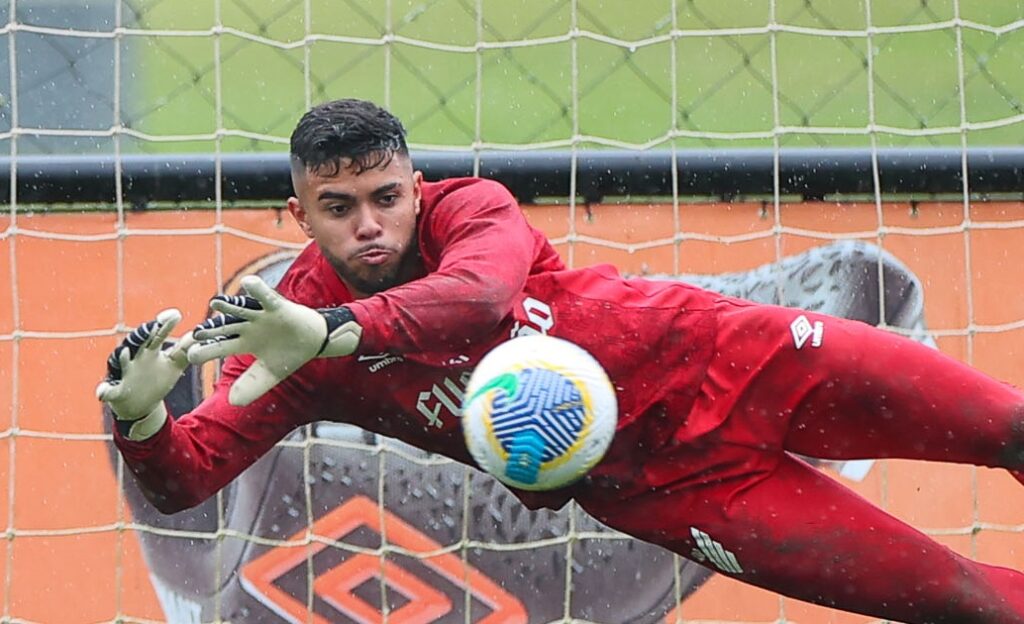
(492, 315)
(487, 316)
(478, 319)
(169, 507)
(481, 309)
(172, 500)
(493, 305)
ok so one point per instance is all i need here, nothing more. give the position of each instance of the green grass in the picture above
(721, 83)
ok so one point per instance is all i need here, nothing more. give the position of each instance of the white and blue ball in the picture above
(539, 412)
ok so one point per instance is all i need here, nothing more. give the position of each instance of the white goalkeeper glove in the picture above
(281, 334)
(140, 373)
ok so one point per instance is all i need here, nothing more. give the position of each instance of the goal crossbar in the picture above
(594, 174)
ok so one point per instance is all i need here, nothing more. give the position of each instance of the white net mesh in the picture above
(352, 528)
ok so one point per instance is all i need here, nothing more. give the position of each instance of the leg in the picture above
(851, 391)
(882, 395)
(799, 533)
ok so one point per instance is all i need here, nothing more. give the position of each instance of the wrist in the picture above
(343, 332)
(139, 429)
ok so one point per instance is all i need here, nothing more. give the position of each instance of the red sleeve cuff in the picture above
(372, 340)
(141, 449)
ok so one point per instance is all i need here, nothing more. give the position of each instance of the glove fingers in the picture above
(144, 336)
(179, 351)
(139, 337)
(107, 391)
(260, 291)
(166, 321)
(117, 362)
(242, 307)
(219, 327)
(256, 381)
(203, 352)
(124, 358)
(241, 301)
(114, 363)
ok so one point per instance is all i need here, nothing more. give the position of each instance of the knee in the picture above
(972, 598)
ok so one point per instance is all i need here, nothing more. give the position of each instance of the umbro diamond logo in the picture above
(710, 550)
(803, 330)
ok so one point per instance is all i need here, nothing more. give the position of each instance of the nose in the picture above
(368, 224)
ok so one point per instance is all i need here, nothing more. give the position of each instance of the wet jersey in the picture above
(487, 276)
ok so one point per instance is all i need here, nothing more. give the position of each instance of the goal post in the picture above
(859, 158)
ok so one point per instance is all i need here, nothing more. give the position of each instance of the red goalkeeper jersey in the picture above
(487, 276)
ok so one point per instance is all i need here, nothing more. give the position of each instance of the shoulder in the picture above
(453, 193)
(310, 281)
(459, 203)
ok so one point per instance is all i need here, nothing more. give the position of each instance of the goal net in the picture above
(857, 158)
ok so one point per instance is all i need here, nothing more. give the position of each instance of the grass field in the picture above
(723, 82)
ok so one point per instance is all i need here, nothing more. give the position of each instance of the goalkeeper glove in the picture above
(140, 373)
(281, 334)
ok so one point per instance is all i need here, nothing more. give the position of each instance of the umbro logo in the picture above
(373, 358)
(803, 330)
(380, 360)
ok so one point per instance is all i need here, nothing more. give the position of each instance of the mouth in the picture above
(374, 255)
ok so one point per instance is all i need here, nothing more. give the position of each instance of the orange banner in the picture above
(64, 282)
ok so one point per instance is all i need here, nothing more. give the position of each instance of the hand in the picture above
(140, 373)
(281, 334)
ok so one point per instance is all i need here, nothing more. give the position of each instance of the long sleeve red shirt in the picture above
(487, 276)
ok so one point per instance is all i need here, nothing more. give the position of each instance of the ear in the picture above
(417, 189)
(299, 214)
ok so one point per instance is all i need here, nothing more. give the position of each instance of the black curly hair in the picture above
(348, 129)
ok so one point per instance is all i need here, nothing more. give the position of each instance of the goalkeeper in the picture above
(410, 282)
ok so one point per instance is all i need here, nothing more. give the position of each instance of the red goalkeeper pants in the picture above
(736, 500)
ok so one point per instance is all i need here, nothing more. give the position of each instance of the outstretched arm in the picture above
(181, 463)
(478, 250)
(193, 457)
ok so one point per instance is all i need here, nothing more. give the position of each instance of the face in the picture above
(364, 224)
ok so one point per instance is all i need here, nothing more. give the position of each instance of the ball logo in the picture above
(539, 412)
(533, 418)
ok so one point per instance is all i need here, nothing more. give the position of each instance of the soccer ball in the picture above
(539, 412)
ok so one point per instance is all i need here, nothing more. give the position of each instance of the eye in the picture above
(388, 199)
(337, 209)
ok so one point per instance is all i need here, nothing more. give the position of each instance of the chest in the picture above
(398, 396)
